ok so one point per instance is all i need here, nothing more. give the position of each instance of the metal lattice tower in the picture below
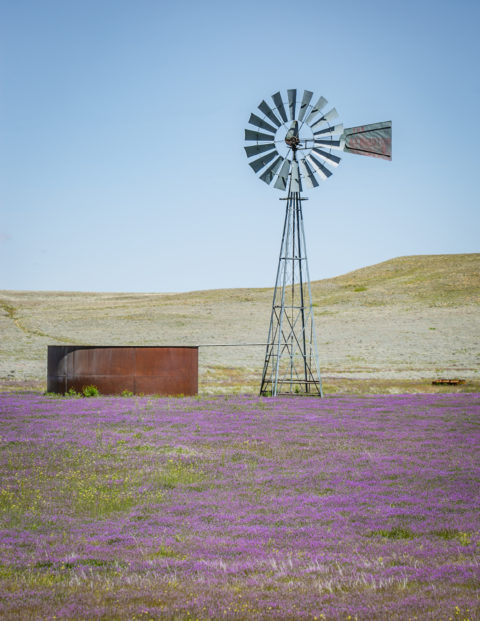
(291, 360)
(286, 130)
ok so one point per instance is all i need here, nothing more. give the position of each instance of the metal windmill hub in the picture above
(291, 359)
(293, 142)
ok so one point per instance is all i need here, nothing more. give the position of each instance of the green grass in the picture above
(397, 532)
(82, 481)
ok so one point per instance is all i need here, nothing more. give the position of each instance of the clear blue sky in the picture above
(121, 138)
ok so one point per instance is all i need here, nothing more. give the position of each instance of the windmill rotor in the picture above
(300, 122)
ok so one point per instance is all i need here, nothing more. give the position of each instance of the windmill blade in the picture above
(277, 100)
(295, 182)
(258, 136)
(267, 111)
(374, 140)
(330, 144)
(257, 121)
(326, 118)
(319, 167)
(330, 131)
(328, 157)
(269, 173)
(292, 101)
(317, 108)
(258, 148)
(262, 161)
(307, 96)
(330, 115)
(281, 182)
(308, 174)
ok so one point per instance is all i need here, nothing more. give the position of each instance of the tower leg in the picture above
(291, 359)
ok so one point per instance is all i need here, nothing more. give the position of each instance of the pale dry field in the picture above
(390, 327)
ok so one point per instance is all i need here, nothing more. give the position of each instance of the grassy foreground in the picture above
(240, 508)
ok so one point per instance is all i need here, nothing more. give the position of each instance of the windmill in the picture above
(294, 143)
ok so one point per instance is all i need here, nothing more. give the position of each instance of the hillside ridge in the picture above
(467, 264)
(407, 318)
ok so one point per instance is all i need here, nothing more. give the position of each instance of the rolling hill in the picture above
(392, 326)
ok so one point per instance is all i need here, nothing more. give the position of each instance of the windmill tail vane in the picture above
(291, 144)
(374, 140)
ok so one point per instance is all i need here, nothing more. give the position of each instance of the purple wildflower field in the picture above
(240, 507)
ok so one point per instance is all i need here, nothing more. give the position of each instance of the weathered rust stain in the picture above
(372, 140)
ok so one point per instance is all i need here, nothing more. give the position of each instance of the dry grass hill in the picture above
(392, 327)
